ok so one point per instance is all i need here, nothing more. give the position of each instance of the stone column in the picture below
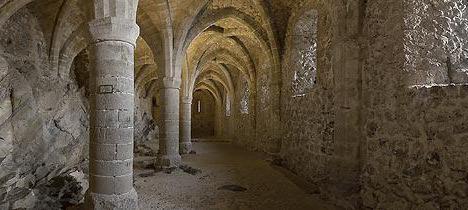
(114, 33)
(168, 155)
(186, 126)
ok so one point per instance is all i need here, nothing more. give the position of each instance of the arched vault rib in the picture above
(187, 26)
(142, 71)
(211, 18)
(216, 76)
(226, 46)
(153, 37)
(210, 86)
(57, 32)
(75, 43)
(156, 26)
(225, 56)
(146, 76)
(227, 76)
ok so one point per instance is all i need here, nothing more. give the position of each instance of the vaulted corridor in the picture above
(233, 104)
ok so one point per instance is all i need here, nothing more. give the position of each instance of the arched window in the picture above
(154, 102)
(244, 103)
(228, 106)
(304, 53)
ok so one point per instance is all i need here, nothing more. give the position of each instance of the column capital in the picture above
(171, 83)
(187, 100)
(114, 29)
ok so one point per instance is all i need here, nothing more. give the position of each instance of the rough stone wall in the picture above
(267, 104)
(146, 130)
(415, 136)
(203, 123)
(321, 98)
(308, 120)
(45, 118)
(243, 133)
(436, 47)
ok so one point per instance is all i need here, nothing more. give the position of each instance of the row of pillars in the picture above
(114, 32)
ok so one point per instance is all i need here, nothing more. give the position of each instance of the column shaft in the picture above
(168, 155)
(111, 145)
(112, 106)
(186, 127)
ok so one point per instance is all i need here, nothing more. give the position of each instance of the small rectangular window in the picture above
(228, 106)
(244, 103)
(199, 106)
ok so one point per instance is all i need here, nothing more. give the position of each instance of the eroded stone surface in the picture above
(325, 86)
(44, 119)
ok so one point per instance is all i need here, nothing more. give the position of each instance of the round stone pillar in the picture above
(186, 126)
(168, 155)
(112, 106)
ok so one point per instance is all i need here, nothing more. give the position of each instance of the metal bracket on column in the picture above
(106, 89)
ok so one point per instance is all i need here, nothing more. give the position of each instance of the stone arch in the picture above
(153, 38)
(75, 43)
(219, 57)
(146, 69)
(241, 59)
(61, 31)
(211, 89)
(204, 62)
(204, 22)
(147, 73)
(215, 77)
(80, 70)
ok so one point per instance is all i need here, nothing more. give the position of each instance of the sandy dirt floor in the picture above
(229, 178)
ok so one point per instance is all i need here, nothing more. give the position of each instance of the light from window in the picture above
(304, 54)
(244, 105)
(199, 106)
(228, 106)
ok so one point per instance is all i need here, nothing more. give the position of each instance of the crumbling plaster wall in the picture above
(415, 151)
(47, 121)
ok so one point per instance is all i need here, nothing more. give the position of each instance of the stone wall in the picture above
(44, 122)
(308, 117)
(436, 47)
(321, 98)
(415, 136)
(146, 130)
(203, 122)
(243, 111)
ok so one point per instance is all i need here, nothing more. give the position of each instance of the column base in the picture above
(168, 161)
(185, 147)
(112, 202)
